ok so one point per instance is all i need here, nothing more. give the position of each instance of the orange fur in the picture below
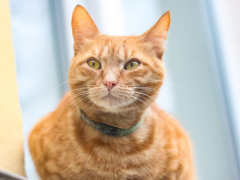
(65, 147)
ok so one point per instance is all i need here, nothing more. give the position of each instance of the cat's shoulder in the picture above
(171, 124)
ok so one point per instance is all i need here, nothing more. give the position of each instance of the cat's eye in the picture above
(132, 65)
(94, 63)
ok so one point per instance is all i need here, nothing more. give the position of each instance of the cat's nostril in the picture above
(110, 84)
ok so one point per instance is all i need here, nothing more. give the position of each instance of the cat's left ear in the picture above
(158, 33)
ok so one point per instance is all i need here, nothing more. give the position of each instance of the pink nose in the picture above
(110, 84)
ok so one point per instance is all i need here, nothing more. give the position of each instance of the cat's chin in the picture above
(111, 103)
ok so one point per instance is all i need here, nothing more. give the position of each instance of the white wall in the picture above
(227, 15)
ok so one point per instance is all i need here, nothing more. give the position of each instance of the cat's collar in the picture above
(107, 129)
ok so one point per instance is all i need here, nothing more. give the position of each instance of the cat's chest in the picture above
(104, 164)
(80, 158)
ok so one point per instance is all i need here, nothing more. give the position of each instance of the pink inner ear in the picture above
(156, 41)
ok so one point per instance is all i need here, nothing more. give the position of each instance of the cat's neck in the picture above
(108, 129)
(123, 120)
(90, 138)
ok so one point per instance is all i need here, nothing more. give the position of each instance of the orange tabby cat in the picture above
(108, 127)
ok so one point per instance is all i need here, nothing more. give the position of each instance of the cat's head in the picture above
(116, 73)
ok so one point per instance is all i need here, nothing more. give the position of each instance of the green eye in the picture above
(94, 64)
(132, 65)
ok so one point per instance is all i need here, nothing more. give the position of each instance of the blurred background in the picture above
(202, 60)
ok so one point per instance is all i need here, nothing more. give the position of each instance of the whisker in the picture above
(77, 102)
(145, 88)
(74, 96)
(62, 71)
(144, 94)
(171, 84)
(171, 100)
(69, 80)
(87, 103)
(85, 87)
(61, 84)
(69, 100)
(136, 106)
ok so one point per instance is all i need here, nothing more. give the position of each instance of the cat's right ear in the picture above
(158, 33)
(83, 27)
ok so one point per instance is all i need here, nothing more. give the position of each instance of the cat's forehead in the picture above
(120, 48)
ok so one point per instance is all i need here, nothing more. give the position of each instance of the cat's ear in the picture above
(83, 27)
(158, 33)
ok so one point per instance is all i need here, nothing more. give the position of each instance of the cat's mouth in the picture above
(109, 96)
(111, 101)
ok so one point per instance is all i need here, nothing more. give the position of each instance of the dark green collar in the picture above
(107, 129)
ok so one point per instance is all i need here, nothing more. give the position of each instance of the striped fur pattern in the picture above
(64, 147)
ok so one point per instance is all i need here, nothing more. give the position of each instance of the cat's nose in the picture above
(110, 84)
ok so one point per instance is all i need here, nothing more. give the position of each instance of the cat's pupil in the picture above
(131, 64)
(93, 63)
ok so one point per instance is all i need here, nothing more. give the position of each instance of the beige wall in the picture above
(11, 136)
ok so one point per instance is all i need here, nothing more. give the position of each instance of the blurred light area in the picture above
(192, 90)
(37, 72)
(227, 15)
(112, 15)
